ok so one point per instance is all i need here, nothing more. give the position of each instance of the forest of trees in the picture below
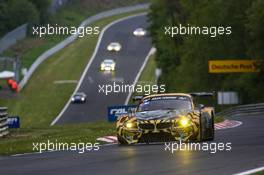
(184, 58)
(17, 12)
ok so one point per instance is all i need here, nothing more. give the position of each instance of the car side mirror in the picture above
(201, 106)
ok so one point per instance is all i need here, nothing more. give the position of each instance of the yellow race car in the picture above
(167, 117)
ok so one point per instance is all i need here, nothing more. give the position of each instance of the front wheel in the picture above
(200, 135)
(121, 140)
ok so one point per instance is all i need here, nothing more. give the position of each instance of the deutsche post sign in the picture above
(234, 66)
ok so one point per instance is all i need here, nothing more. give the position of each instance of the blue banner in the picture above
(116, 111)
(13, 122)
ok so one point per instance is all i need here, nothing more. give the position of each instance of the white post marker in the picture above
(158, 73)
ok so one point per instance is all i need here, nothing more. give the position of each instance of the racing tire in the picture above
(212, 133)
(200, 136)
(121, 141)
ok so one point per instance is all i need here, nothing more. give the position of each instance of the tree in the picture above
(42, 6)
(184, 59)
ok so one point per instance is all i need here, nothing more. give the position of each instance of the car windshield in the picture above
(78, 94)
(166, 103)
(108, 61)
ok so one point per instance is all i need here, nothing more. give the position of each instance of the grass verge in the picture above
(259, 173)
(21, 140)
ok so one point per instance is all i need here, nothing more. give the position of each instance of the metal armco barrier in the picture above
(250, 109)
(3, 122)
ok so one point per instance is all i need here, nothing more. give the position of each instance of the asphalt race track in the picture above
(247, 153)
(128, 63)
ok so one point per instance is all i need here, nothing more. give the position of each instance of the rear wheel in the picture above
(212, 129)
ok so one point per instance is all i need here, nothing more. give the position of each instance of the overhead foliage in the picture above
(14, 13)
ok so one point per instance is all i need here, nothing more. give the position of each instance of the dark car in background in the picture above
(79, 97)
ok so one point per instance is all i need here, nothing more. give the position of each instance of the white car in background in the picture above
(114, 46)
(108, 65)
(140, 32)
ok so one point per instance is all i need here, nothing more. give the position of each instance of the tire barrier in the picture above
(3, 122)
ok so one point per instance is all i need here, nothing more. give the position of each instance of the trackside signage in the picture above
(116, 111)
(234, 66)
(13, 122)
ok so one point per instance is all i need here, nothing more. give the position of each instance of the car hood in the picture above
(159, 114)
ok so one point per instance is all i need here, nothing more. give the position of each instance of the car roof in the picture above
(167, 94)
(115, 43)
(108, 60)
(79, 93)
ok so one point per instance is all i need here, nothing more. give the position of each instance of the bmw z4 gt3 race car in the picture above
(167, 117)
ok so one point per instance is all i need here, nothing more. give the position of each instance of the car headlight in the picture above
(82, 99)
(130, 125)
(184, 122)
(72, 99)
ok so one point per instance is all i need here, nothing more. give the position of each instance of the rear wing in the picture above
(202, 94)
(138, 98)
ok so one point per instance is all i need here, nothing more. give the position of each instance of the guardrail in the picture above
(3, 122)
(12, 37)
(249, 109)
(72, 38)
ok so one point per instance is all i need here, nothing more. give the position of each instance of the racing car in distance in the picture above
(79, 97)
(114, 47)
(140, 32)
(167, 117)
(108, 65)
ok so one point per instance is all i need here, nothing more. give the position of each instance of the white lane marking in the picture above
(65, 81)
(90, 62)
(251, 171)
(90, 79)
(151, 52)
(118, 79)
(33, 153)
